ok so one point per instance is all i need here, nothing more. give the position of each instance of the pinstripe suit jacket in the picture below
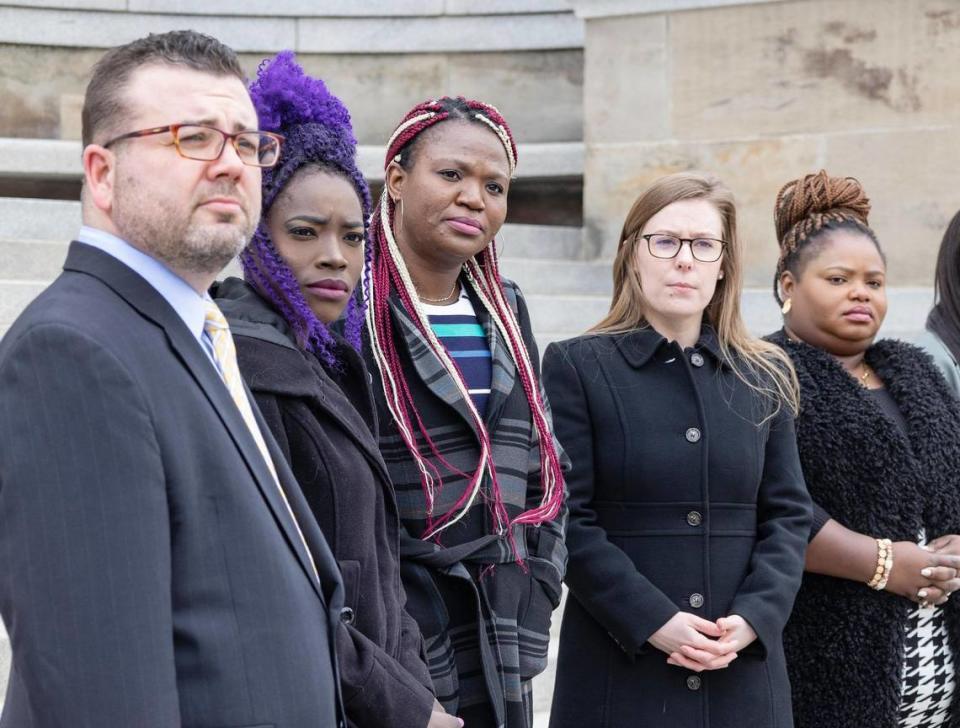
(151, 574)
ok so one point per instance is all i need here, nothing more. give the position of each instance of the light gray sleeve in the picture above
(932, 345)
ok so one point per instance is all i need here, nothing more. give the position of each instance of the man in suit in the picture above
(159, 564)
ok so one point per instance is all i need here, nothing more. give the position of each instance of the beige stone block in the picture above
(814, 66)
(913, 181)
(71, 116)
(33, 80)
(377, 89)
(615, 175)
(540, 94)
(626, 82)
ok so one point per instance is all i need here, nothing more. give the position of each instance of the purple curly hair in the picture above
(318, 135)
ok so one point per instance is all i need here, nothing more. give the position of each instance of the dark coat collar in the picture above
(276, 365)
(639, 345)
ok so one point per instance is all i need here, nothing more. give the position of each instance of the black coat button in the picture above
(694, 518)
(696, 359)
(693, 435)
(693, 682)
(347, 616)
(696, 600)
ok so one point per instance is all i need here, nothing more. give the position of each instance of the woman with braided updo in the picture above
(873, 636)
(466, 430)
(310, 383)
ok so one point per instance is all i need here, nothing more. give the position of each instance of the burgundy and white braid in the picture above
(389, 272)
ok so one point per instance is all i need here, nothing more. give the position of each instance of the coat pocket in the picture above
(350, 570)
(543, 597)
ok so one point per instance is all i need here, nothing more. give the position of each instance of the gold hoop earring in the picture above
(787, 305)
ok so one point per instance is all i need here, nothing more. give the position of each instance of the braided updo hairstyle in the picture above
(810, 206)
(317, 136)
(389, 277)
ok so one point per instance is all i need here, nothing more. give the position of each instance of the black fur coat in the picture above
(845, 642)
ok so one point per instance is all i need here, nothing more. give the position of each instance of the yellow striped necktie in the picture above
(225, 353)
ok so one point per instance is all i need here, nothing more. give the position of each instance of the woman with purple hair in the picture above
(300, 276)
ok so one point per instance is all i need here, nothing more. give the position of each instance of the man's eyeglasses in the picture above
(205, 143)
(706, 250)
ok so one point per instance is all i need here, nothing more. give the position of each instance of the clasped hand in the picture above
(698, 644)
(926, 574)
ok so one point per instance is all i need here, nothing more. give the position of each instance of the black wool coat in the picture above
(679, 500)
(844, 641)
(325, 424)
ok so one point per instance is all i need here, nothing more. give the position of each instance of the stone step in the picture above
(33, 219)
(14, 297)
(31, 260)
(545, 276)
(4, 662)
(310, 8)
(558, 317)
(558, 314)
(309, 32)
(553, 242)
(59, 159)
(29, 219)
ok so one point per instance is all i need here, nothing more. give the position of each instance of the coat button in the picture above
(694, 518)
(696, 600)
(347, 616)
(693, 435)
(693, 682)
(696, 359)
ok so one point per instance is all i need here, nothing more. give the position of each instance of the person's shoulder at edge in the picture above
(937, 349)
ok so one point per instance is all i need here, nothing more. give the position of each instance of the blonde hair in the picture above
(755, 361)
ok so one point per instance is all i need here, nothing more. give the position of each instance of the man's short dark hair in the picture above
(103, 104)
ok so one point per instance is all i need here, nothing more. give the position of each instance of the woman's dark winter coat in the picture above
(679, 500)
(324, 423)
(485, 618)
(845, 642)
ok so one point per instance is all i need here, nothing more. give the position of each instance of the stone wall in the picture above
(763, 92)
(380, 56)
(42, 88)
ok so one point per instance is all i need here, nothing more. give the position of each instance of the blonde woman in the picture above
(688, 512)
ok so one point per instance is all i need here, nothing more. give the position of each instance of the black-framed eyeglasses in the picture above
(206, 143)
(706, 250)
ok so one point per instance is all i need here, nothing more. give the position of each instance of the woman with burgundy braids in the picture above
(465, 430)
(873, 638)
(300, 270)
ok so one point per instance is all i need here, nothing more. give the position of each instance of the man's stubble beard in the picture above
(171, 235)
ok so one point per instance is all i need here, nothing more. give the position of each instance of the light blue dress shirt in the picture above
(189, 305)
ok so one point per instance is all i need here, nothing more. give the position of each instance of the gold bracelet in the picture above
(884, 564)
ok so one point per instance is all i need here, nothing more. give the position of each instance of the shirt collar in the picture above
(639, 345)
(189, 305)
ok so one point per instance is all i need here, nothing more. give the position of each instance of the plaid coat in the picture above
(485, 619)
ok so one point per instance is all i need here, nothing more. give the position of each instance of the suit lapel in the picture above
(203, 372)
(145, 299)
